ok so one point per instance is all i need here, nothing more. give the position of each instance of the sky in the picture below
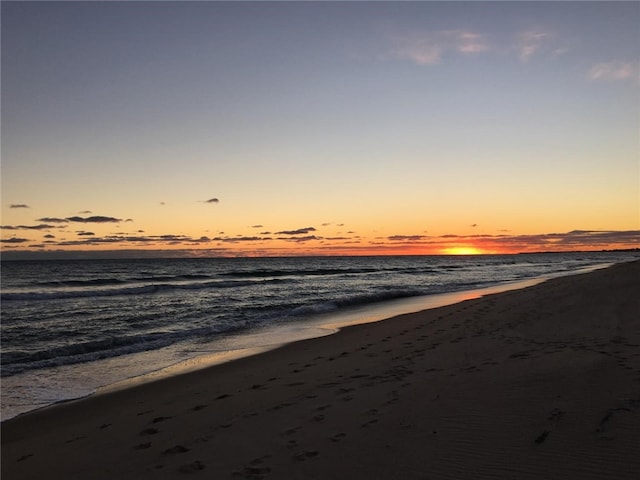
(320, 128)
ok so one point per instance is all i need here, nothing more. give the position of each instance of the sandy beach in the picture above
(542, 382)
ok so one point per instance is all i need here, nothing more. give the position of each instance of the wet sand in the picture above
(542, 382)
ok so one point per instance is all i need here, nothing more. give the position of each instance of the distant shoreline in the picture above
(26, 255)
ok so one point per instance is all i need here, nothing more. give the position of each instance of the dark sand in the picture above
(539, 383)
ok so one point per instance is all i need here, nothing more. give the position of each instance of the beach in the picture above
(542, 382)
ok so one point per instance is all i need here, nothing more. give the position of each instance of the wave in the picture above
(18, 361)
(82, 283)
(202, 316)
(169, 278)
(353, 301)
(344, 272)
(61, 288)
(125, 291)
(265, 273)
(96, 282)
(114, 346)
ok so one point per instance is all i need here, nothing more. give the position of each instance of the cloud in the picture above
(568, 241)
(19, 205)
(94, 219)
(240, 239)
(86, 234)
(116, 239)
(300, 239)
(212, 200)
(576, 238)
(42, 226)
(52, 220)
(257, 226)
(27, 227)
(532, 42)
(14, 240)
(404, 238)
(300, 231)
(615, 71)
(428, 48)
(469, 42)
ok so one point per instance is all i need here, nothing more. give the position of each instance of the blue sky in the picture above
(365, 120)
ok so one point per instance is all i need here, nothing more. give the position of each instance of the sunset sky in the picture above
(267, 128)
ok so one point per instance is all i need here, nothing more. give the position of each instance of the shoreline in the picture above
(331, 323)
(489, 381)
(261, 340)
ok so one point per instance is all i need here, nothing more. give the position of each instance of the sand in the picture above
(537, 383)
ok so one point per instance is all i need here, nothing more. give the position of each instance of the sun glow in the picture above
(462, 251)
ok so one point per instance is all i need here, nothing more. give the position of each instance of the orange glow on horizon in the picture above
(463, 250)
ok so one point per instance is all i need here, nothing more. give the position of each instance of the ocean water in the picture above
(71, 327)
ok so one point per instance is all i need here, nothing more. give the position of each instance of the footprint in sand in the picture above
(369, 423)
(160, 419)
(301, 457)
(542, 437)
(294, 384)
(176, 449)
(256, 469)
(256, 472)
(291, 431)
(191, 467)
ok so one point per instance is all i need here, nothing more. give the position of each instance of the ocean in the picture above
(69, 328)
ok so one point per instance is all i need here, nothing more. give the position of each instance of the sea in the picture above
(70, 328)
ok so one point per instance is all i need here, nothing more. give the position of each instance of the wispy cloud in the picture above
(14, 240)
(429, 48)
(300, 231)
(94, 219)
(537, 42)
(404, 238)
(52, 220)
(211, 200)
(19, 205)
(303, 239)
(432, 47)
(169, 239)
(573, 240)
(42, 226)
(239, 239)
(529, 43)
(615, 71)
